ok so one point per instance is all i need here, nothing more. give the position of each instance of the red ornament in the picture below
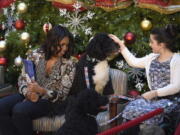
(3, 61)
(78, 56)
(2, 27)
(6, 3)
(47, 27)
(19, 24)
(133, 93)
(129, 38)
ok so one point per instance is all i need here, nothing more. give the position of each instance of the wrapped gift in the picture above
(162, 6)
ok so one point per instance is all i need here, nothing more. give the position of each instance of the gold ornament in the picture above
(18, 61)
(2, 45)
(22, 7)
(146, 24)
(25, 37)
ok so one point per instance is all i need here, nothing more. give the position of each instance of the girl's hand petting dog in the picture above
(118, 41)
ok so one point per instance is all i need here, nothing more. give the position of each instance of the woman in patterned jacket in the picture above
(54, 69)
(162, 72)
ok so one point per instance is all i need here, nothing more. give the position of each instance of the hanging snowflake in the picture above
(120, 64)
(135, 73)
(139, 86)
(75, 21)
(9, 13)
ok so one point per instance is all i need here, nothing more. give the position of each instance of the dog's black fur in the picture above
(81, 112)
(99, 48)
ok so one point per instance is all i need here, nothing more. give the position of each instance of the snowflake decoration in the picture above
(139, 86)
(135, 73)
(75, 21)
(120, 64)
(9, 13)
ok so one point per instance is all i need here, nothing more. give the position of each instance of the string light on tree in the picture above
(2, 45)
(25, 37)
(47, 27)
(22, 7)
(18, 61)
(146, 24)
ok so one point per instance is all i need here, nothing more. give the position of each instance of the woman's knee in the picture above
(19, 109)
(3, 109)
(7, 103)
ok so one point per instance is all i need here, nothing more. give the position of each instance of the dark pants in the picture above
(16, 114)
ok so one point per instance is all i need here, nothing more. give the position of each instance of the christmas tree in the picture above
(24, 25)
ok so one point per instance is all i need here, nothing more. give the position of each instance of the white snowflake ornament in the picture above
(75, 21)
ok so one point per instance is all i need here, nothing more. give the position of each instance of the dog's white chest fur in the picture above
(101, 76)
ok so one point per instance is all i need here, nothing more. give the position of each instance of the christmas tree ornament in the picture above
(22, 7)
(129, 38)
(6, 3)
(2, 45)
(18, 61)
(1, 38)
(146, 24)
(19, 24)
(78, 56)
(25, 37)
(76, 22)
(47, 27)
(133, 93)
(3, 61)
(2, 27)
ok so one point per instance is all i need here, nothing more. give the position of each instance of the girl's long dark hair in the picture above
(168, 35)
(54, 37)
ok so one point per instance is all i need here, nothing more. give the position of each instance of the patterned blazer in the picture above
(57, 82)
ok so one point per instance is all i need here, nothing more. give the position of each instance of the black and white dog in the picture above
(92, 70)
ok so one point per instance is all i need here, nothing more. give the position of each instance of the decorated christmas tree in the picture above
(24, 24)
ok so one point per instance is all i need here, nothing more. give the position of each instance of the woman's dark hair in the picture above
(168, 35)
(54, 36)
